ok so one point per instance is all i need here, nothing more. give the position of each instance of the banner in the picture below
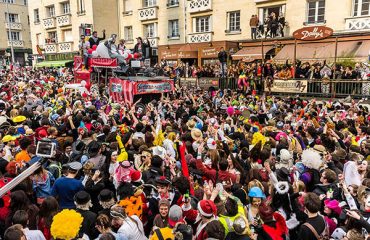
(288, 86)
(104, 62)
(77, 64)
(204, 83)
(153, 87)
(121, 90)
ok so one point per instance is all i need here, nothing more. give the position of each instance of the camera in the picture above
(45, 149)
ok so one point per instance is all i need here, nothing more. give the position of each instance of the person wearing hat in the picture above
(95, 156)
(174, 218)
(207, 211)
(23, 156)
(83, 204)
(19, 121)
(274, 225)
(66, 187)
(106, 201)
(9, 142)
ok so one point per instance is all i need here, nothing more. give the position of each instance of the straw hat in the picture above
(196, 134)
(190, 124)
(19, 119)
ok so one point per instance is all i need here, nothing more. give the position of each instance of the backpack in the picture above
(325, 235)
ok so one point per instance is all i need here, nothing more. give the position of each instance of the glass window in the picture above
(316, 11)
(202, 24)
(11, 17)
(234, 21)
(16, 36)
(67, 35)
(50, 11)
(149, 30)
(173, 27)
(36, 16)
(38, 37)
(25, 2)
(52, 37)
(149, 3)
(173, 2)
(81, 6)
(66, 8)
(128, 33)
(127, 5)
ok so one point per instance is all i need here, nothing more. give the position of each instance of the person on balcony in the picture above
(95, 40)
(142, 48)
(253, 23)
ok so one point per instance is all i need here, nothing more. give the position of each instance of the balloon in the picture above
(136, 55)
(51, 79)
(95, 54)
(125, 55)
(84, 95)
(102, 51)
(129, 56)
(90, 51)
(230, 111)
(94, 47)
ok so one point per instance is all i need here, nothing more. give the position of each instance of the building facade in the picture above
(14, 30)
(169, 24)
(56, 25)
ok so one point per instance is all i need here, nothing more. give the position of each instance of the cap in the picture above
(174, 215)
(75, 166)
(105, 195)
(162, 180)
(8, 138)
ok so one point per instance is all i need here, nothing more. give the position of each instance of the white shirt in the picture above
(8, 153)
(132, 230)
(33, 234)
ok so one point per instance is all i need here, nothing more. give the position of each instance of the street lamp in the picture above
(10, 32)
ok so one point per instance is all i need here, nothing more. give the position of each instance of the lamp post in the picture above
(10, 32)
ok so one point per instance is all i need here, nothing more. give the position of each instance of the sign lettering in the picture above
(313, 33)
(288, 86)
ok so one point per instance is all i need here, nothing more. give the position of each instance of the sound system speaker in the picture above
(124, 71)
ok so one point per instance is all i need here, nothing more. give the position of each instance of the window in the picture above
(16, 36)
(173, 3)
(67, 35)
(50, 11)
(149, 3)
(127, 6)
(234, 21)
(9, 1)
(128, 33)
(173, 28)
(361, 8)
(316, 11)
(66, 8)
(36, 15)
(81, 6)
(11, 17)
(52, 37)
(38, 37)
(149, 30)
(25, 2)
(202, 24)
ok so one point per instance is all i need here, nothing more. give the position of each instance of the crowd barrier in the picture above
(312, 88)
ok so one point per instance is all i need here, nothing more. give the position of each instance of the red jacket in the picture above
(211, 173)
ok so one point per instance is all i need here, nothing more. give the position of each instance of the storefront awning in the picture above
(363, 50)
(52, 63)
(249, 54)
(318, 51)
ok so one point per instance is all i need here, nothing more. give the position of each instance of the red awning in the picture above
(251, 53)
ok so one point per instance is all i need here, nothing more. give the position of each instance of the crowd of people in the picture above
(196, 164)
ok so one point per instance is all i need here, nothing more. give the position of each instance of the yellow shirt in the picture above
(166, 234)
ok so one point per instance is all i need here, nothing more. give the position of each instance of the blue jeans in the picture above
(223, 69)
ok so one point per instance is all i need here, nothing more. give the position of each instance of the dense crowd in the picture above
(196, 164)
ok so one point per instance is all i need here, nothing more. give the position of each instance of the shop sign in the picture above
(313, 33)
(169, 55)
(288, 86)
(60, 56)
(209, 53)
(193, 54)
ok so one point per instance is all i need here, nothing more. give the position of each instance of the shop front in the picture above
(198, 54)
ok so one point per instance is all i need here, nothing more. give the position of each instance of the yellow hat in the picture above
(19, 119)
(8, 138)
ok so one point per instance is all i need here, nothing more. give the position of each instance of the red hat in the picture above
(136, 176)
(207, 208)
(333, 205)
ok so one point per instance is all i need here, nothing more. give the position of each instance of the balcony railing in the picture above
(195, 6)
(199, 37)
(65, 47)
(13, 25)
(358, 23)
(153, 41)
(49, 22)
(148, 13)
(16, 43)
(64, 20)
(50, 48)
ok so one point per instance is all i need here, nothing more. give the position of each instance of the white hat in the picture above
(211, 144)
(159, 151)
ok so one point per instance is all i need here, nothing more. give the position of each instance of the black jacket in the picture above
(92, 42)
(88, 223)
(222, 56)
(145, 48)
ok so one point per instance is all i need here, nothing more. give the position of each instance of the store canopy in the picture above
(187, 51)
(52, 63)
(249, 54)
(363, 50)
(319, 51)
